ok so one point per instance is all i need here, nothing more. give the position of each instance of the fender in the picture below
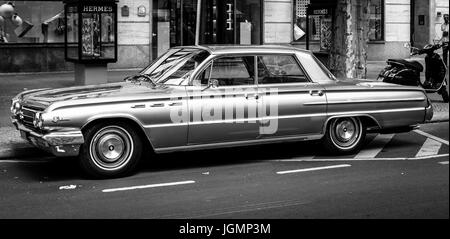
(119, 116)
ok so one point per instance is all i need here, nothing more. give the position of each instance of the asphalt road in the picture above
(395, 176)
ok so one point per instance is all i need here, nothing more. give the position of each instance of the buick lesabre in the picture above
(199, 97)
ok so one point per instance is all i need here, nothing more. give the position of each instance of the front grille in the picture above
(26, 116)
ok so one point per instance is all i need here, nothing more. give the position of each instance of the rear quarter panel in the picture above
(390, 105)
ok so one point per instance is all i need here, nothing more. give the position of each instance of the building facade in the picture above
(344, 34)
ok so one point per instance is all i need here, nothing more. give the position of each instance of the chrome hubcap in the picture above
(345, 132)
(111, 148)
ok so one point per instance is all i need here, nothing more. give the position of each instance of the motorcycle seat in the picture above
(415, 65)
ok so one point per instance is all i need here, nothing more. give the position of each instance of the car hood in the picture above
(42, 98)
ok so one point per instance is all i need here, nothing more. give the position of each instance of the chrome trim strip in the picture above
(377, 111)
(353, 113)
(365, 101)
(239, 143)
(229, 121)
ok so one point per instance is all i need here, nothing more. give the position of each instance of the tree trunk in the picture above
(348, 58)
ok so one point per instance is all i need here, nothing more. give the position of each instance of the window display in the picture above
(96, 37)
(31, 22)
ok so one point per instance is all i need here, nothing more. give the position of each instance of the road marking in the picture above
(444, 162)
(147, 186)
(375, 146)
(314, 169)
(23, 161)
(297, 159)
(359, 159)
(429, 147)
(431, 136)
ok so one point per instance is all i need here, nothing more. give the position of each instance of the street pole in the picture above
(197, 27)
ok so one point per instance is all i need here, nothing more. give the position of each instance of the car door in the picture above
(293, 105)
(227, 111)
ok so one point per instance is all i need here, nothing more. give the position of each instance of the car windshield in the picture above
(177, 66)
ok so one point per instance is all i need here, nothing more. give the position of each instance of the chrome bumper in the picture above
(61, 143)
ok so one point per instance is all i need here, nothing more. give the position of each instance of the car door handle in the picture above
(175, 104)
(157, 105)
(316, 92)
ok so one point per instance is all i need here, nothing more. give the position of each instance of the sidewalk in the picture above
(12, 146)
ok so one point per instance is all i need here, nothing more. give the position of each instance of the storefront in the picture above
(33, 31)
(175, 23)
(31, 36)
(146, 28)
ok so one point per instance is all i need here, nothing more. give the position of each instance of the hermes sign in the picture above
(97, 9)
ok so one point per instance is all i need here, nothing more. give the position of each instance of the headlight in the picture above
(15, 106)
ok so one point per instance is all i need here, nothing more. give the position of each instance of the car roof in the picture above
(251, 49)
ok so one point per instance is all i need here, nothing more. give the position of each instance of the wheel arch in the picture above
(368, 121)
(122, 118)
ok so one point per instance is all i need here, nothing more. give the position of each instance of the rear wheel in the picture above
(344, 135)
(110, 150)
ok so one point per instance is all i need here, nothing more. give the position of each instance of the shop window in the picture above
(300, 23)
(32, 22)
(376, 21)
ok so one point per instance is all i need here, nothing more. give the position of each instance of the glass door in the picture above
(174, 24)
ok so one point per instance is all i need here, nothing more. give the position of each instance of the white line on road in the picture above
(314, 169)
(431, 136)
(429, 147)
(24, 161)
(375, 146)
(443, 162)
(358, 159)
(147, 186)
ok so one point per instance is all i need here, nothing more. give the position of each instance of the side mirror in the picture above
(212, 83)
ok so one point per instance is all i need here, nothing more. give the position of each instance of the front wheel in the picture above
(344, 135)
(110, 150)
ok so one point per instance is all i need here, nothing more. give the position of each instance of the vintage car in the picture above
(200, 97)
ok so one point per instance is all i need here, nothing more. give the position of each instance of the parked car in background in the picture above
(182, 101)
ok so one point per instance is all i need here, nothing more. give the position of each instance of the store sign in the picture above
(323, 11)
(125, 10)
(142, 11)
(97, 9)
(229, 19)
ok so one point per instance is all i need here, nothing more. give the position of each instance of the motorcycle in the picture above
(407, 71)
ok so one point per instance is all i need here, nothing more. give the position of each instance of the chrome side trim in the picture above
(239, 143)
(378, 111)
(365, 101)
(229, 121)
(349, 113)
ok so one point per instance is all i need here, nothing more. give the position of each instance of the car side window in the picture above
(230, 71)
(279, 69)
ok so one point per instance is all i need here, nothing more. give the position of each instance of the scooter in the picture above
(407, 72)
